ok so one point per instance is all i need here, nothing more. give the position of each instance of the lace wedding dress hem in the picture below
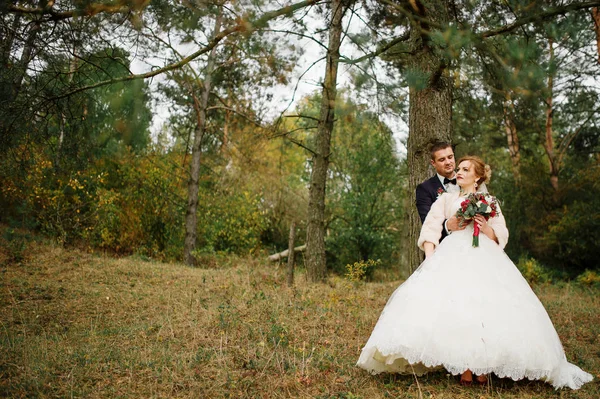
(469, 308)
(406, 361)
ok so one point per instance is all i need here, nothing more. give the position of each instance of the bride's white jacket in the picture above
(444, 208)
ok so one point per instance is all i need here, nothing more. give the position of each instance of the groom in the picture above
(442, 159)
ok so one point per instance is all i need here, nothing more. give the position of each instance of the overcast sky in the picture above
(304, 80)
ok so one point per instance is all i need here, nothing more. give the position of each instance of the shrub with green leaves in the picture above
(589, 278)
(16, 246)
(361, 270)
(533, 271)
(230, 220)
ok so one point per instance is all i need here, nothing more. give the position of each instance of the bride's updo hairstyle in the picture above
(481, 168)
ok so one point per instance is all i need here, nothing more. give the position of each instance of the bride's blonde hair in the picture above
(481, 168)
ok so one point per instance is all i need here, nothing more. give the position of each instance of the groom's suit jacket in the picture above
(427, 193)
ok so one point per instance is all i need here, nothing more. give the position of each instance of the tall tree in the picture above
(440, 32)
(200, 107)
(596, 18)
(315, 232)
(220, 90)
(430, 109)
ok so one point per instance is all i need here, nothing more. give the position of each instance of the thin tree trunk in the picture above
(430, 115)
(512, 137)
(548, 138)
(596, 17)
(292, 255)
(315, 232)
(63, 116)
(8, 38)
(191, 217)
(7, 77)
(26, 55)
(15, 77)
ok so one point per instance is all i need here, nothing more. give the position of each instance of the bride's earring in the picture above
(476, 186)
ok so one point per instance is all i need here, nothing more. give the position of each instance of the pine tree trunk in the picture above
(63, 117)
(15, 77)
(26, 55)
(549, 137)
(430, 114)
(7, 38)
(191, 217)
(7, 76)
(596, 17)
(512, 137)
(315, 232)
(291, 255)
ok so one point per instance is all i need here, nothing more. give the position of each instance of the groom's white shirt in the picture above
(450, 188)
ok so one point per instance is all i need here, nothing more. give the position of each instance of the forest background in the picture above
(515, 82)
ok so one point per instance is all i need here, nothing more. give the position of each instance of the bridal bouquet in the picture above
(477, 204)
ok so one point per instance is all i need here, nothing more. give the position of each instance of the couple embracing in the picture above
(467, 308)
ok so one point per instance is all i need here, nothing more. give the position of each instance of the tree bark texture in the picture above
(292, 255)
(13, 76)
(27, 55)
(191, 217)
(7, 37)
(596, 17)
(7, 76)
(315, 232)
(430, 112)
(549, 138)
(63, 117)
(512, 137)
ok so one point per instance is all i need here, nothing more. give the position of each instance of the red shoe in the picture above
(482, 379)
(466, 378)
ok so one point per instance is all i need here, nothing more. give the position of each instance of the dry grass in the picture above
(79, 325)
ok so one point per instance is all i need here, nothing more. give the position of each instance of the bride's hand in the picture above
(429, 248)
(484, 227)
(455, 224)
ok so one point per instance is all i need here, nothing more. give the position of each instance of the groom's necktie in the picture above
(451, 181)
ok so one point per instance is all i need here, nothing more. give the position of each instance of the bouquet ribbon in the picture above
(475, 234)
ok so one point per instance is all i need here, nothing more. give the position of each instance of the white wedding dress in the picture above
(469, 308)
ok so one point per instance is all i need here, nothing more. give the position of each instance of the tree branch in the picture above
(413, 15)
(377, 52)
(303, 116)
(568, 139)
(539, 17)
(242, 26)
(287, 32)
(89, 11)
(300, 144)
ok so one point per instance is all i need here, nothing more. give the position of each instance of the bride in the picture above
(468, 309)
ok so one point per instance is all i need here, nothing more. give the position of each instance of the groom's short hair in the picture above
(439, 145)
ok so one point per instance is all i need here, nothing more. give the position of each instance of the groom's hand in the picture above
(453, 224)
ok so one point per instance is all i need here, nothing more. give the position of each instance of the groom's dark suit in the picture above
(427, 193)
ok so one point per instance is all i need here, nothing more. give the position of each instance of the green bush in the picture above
(533, 271)
(361, 270)
(230, 221)
(16, 246)
(573, 236)
(139, 209)
(589, 278)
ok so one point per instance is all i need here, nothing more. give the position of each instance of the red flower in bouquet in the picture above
(477, 204)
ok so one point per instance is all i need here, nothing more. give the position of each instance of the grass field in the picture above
(74, 324)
